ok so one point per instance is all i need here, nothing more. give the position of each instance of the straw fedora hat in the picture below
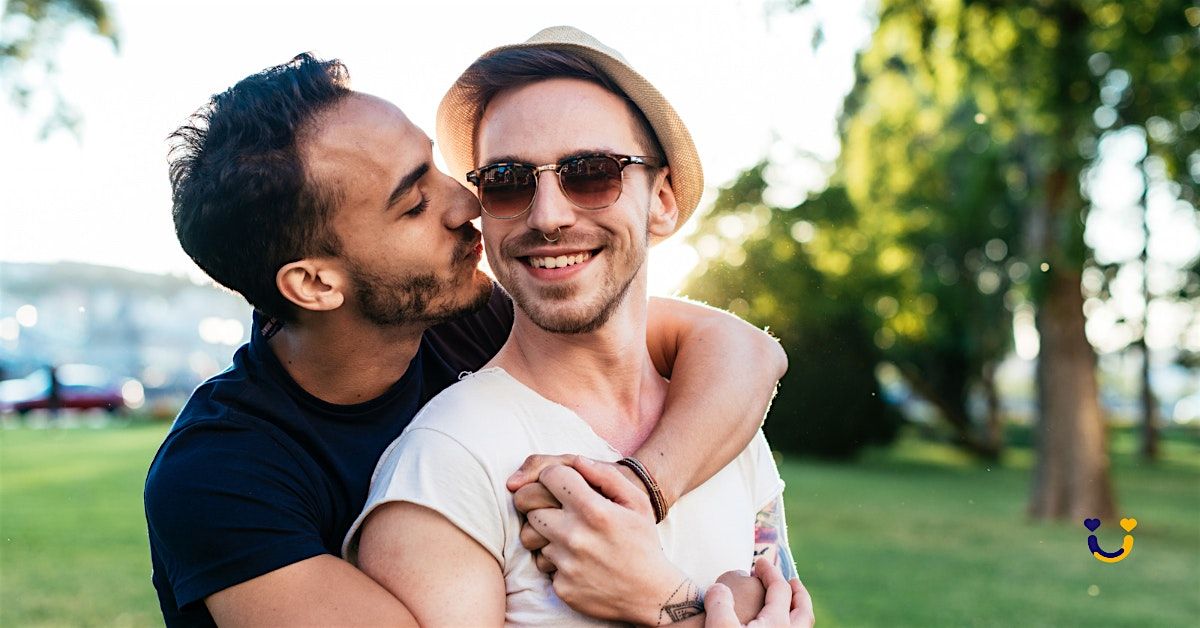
(458, 114)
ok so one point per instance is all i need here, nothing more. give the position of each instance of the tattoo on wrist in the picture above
(684, 602)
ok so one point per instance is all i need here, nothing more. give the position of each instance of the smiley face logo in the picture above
(1110, 557)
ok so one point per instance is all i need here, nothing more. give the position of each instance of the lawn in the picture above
(911, 536)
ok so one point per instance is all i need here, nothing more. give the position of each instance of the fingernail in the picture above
(743, 573)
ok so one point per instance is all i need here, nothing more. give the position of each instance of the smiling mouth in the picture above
(559, 261)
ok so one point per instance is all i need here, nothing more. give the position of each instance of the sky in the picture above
(743, 75)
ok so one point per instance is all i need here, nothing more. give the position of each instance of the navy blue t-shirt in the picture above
(257, 474)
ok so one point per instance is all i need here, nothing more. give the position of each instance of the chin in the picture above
(570, 318)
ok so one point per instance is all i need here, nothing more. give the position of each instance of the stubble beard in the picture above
(555, 309)
(389, 301)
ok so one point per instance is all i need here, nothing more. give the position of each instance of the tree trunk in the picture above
(1149, 403)
(1071, 478)
(1149, 407)
(993, 435)
(955, 414)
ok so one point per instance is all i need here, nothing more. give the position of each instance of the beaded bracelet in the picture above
(656, 497)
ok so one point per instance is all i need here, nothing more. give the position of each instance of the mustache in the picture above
(519, 245)
(468, 237)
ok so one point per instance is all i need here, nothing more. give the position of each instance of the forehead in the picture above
(544, 121)
(361, 142)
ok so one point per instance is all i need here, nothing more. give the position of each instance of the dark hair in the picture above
(243, 204)
(508, 69)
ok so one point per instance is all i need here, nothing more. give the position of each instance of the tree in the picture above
(768, 265)
(32, 31)
(1039, 114)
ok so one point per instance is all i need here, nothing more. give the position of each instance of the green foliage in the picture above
(958, 192)
(30, 33)
(760, 264)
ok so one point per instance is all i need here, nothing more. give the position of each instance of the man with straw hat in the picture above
(322, 207)
(580, 164)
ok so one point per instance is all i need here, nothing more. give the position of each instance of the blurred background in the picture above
(972, 224)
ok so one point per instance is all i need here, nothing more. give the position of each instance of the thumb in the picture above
(611, 483)
(718, 608)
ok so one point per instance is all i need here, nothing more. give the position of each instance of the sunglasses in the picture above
(506, 190)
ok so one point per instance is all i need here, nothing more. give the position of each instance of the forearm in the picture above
(723, 375)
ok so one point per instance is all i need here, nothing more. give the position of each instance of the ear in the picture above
(313, 284)
(664, 211)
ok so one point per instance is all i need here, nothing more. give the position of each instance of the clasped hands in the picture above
(590, 527)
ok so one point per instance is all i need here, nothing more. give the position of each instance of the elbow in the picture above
(774, 356)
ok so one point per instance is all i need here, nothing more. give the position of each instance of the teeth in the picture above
(562, 261)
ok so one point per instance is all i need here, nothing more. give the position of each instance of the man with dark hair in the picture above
(322, 206)
(580, 166)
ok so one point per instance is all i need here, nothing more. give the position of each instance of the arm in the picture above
(439, 572)
(723, 375)
(231, 522)
(322, 590)
(770, 538)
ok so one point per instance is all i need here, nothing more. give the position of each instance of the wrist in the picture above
(675, 597)
(657, 503)
(662, 473)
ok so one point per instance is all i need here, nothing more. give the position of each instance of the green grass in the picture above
(73, 535)
(917, 535)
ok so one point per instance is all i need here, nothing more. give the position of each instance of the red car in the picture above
(80, 387)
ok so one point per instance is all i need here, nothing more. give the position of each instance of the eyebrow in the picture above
(584, 152)
(406, 184)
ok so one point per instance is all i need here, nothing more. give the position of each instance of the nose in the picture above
(551, 210)
(462, 205)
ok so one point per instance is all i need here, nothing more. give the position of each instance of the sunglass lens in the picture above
(591, 182)
(506, 191)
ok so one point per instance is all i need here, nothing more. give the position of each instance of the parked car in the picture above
(80, 387)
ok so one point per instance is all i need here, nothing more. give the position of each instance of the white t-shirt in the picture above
(456, 455)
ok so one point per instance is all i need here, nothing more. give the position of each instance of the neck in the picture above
(343, 360)
(605, 376)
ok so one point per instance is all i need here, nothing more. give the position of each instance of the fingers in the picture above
(778, 596)
(802, 615)
(531, 539)
(718, 608)
(574, 493)
(533, 496)
(610, 481)
(533, 467)
(544, 564)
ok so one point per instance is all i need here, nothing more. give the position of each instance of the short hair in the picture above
(244, 204)
(510, 69)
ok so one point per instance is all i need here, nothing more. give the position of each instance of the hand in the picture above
(748, 594)
(529, 494)
(780, 608)
(604, 547)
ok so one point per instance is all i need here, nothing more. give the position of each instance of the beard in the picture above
(561, 309)
(389, 300)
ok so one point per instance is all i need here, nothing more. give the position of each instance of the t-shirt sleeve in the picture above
(431, 469)
(766, 484)
(226, 504)
(468, 342)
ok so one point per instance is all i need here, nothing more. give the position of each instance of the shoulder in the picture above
(468, 342)
(480, 403)
(213, 458)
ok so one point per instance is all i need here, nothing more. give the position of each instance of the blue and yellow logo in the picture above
(1126, 543)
